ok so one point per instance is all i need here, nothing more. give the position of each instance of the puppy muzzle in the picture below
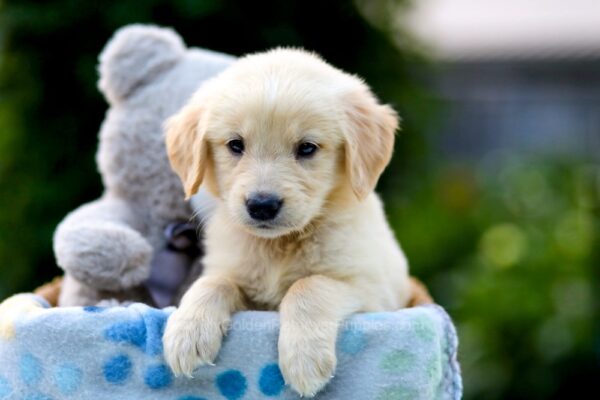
(263, 206)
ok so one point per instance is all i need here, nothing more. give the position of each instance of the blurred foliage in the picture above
(509, 246)
(511, 249)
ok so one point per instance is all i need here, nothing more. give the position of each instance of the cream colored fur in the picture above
(329, 252)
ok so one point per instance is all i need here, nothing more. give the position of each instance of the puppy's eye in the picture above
(236, 146)
(306, 149)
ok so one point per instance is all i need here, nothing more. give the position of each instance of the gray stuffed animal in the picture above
(107, 247)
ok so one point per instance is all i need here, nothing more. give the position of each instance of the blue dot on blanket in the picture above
(31, 369)
(94, 309)
(155, 321)
(191, 398)
(37, 396)
(131, 332)
(271, 381)
(4, 388)
(376, 316)
(158, 376)
(232, 384)
(67, 378)
(352, 340)
(117, 369)
(144, 332)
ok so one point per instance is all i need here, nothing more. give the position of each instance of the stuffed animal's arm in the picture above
(101, 245)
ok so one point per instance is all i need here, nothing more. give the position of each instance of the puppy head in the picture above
(276, 135)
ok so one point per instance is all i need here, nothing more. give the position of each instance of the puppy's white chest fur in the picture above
(359, 250)
(264, 269)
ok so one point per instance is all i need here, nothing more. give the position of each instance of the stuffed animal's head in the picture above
(146, 74)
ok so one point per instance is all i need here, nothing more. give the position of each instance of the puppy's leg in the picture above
(311, 312)
(195, 330)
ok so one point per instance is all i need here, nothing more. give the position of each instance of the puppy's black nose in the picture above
(263, 206)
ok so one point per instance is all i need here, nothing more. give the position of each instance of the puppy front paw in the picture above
(191, 341)
(306, 364)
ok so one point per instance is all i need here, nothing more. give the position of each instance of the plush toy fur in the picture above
(105, 247)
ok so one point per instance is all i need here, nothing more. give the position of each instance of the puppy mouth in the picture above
(266, 229)
(266, 226)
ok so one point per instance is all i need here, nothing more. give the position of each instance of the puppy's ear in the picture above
(187, 147)
(369, 140)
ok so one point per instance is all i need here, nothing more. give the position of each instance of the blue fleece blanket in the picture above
(116, 353)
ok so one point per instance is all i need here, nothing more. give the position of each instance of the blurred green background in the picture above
(507, 240)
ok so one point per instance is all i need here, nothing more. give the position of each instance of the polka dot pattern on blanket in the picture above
(5, 388)
(271, 381)
(31, 369)
(122, 356)
(232, 384)
(158, 376)
(144, 332)
(117, 369)
(352, 340)
(67, 378)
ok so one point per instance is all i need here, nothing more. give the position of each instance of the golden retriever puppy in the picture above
(292, 149)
